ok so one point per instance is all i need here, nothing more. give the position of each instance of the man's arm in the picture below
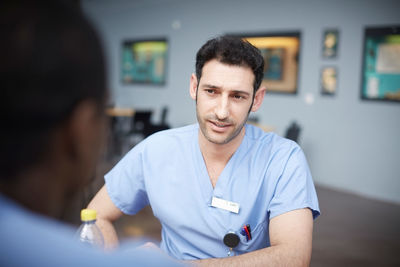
(107, 212)
(291, 243)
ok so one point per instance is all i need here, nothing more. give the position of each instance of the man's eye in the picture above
(210, 91)
(238, 97)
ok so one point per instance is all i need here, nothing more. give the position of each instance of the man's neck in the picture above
(216, 156)
(220, 152)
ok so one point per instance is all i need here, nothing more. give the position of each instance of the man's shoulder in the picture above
(270, 139)
(269, 143)
(181, 133)
(168, 139)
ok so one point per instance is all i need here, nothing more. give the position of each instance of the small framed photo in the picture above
(330, 43)
(381, 64)
(328, 80)
(144, 61)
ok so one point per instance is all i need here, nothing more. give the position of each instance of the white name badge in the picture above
(225, 204)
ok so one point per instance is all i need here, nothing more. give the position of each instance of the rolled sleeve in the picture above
(125, 183)
(295, 188)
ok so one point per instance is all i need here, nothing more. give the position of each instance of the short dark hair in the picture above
(51, 61)
(231, 50)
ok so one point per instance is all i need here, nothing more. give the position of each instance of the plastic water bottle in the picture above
(88, 232)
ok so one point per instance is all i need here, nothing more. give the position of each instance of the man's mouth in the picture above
(220, 124)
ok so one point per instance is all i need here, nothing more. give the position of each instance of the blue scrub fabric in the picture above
(28, 239)
(267, 176)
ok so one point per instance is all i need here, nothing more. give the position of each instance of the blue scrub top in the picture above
(267, 176)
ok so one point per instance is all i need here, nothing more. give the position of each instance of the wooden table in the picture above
(120, 112)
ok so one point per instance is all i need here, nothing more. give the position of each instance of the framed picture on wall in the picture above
(381, 64)
(144, 61)
(328, 80)
(281, 59)
(330, 43)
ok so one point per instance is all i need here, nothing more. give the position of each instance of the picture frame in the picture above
(281, 59)
(144, 61)
(330, 43)
(380, 77)
(328, 80)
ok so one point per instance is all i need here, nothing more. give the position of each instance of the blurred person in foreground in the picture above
(53, 94)
(226, 193)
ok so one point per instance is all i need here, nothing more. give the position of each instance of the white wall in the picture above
(351, 144)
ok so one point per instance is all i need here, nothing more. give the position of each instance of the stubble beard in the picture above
(203, 127)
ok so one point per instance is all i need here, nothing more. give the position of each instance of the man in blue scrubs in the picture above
(225, 192)
(53, 93)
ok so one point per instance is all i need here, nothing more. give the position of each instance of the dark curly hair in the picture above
(231, 50)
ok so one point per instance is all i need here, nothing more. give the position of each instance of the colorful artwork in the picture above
(381, 68)
(273, 60)
(281, 54)
(144, 61)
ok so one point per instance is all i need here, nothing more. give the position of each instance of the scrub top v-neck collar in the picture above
(221, 189)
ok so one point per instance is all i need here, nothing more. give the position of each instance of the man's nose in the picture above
(222, 109)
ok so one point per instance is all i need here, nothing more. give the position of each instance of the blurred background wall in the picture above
(351, 144)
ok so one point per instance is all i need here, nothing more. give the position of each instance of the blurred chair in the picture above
(142, 126)
(162, 125)
(141, 123)
(120, 124)
(293, 132)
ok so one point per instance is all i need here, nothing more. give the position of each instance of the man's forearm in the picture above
(109, 234)
(271, 256)
(107, 212)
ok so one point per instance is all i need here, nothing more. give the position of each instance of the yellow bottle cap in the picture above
(88, 215)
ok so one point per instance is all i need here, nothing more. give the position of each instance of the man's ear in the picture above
(258, 99)
(193, 86)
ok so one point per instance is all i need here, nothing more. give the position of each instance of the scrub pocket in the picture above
(260, 239)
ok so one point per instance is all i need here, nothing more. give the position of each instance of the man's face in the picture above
(224, 99)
